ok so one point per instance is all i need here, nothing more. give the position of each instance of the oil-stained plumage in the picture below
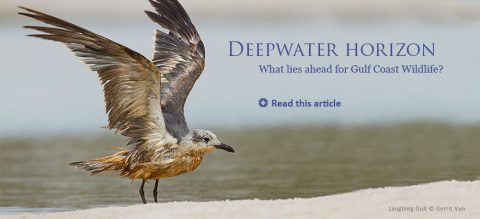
(144, 99)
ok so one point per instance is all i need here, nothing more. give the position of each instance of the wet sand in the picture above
(446, 199)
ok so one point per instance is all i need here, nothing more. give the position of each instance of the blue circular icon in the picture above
(263, 102)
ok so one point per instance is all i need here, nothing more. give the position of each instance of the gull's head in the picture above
(205, 139)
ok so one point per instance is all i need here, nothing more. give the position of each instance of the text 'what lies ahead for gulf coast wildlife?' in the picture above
(326, 49)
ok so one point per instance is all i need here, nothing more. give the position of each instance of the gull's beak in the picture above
(225, 147)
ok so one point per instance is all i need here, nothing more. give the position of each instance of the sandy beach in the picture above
(446, 199)
(431, 11)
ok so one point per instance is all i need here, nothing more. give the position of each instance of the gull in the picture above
(144, 99)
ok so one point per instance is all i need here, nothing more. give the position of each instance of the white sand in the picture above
(429, 10)
(439, 198)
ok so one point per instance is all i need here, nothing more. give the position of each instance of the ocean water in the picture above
(269, 163)
(46, 90)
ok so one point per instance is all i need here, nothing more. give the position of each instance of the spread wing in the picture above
(131, 83)
(180, 56)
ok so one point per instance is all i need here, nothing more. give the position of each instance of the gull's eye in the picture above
(205, 140)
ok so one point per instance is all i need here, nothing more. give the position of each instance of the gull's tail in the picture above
(113, 162)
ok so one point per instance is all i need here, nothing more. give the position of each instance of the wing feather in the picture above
(131, 83)
(180, 56)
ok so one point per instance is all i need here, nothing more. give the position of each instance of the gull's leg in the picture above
(142, 194)
(155, 191)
